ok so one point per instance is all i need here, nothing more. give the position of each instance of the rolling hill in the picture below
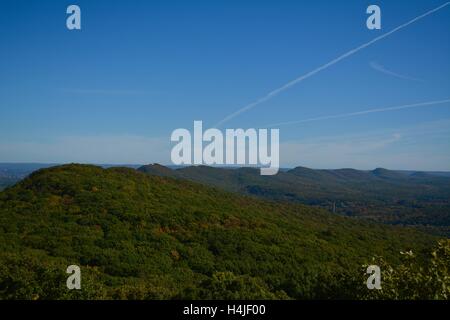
(394, 197)
(148, 237)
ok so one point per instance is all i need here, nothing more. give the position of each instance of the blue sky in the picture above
(114, 91)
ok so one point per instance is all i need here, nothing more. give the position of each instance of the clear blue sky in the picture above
(114, 91)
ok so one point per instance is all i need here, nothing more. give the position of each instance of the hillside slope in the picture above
(394, 197)
(141, 236)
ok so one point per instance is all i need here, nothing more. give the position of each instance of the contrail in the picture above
(325, 66)
(378, 67)
(352, 114)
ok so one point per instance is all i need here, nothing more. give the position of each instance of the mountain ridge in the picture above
(143, 236)
(394, 197)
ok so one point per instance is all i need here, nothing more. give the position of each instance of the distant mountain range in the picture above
(395, 197)
(414, 198)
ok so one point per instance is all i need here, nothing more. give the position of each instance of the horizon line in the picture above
(171, 166)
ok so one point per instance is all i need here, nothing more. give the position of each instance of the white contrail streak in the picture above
(325, 66)
(359, 113)
(378, 67)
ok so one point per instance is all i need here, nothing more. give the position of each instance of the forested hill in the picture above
(141, 236)
(394, 197)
